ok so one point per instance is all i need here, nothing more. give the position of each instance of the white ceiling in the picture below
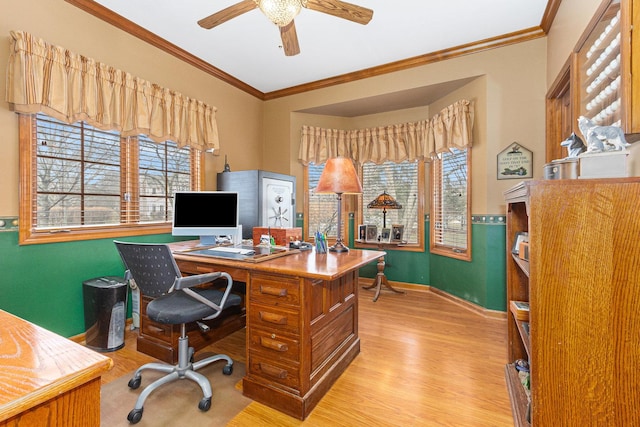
(248, 46)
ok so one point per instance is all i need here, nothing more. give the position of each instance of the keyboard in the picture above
(231, 250)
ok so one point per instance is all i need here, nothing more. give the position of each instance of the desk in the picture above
(302, 322)
(45, 379)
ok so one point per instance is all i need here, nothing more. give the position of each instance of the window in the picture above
(405, 181)
(402, 182)
(82, 182)
(450, 217)
(321, 209)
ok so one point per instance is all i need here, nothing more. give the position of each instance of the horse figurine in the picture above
(601, 138)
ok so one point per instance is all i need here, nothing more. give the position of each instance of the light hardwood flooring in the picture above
(424, 361)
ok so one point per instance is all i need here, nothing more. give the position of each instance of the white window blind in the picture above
(78, 175)
(449, 205)
(87, 177)
(399, 180)
(164, 169)
(322, 208)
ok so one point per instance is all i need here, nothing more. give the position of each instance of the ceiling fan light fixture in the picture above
(280, 12)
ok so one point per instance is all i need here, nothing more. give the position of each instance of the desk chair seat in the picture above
(176, 302)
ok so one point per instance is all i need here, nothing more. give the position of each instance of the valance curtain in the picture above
(421, 140)
(71, 87)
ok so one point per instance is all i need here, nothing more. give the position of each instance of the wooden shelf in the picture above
(524, 265)
(525, 335)
(517, 396)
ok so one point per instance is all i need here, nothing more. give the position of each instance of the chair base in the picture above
(184, 369)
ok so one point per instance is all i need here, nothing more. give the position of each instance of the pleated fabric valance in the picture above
(71, 87)
(421, 140)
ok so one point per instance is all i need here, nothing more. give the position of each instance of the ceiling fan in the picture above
(282, 12)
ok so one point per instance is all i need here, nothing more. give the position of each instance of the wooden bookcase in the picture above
(582, 285)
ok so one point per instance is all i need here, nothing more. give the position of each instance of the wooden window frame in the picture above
(434, 246)
(27, 234)
(354, 204)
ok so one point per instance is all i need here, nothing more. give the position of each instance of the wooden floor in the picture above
(424, 361)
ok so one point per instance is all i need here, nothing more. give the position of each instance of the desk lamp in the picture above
(339, 176)
(384, 202)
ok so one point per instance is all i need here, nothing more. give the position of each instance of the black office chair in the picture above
(176, 302)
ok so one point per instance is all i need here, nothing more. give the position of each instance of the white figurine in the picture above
(601, 138)
(574, 145)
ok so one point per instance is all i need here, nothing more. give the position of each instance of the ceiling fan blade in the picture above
(225, 14)
(341, 9)
(290, 39)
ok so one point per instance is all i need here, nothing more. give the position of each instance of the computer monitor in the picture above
(208, 214)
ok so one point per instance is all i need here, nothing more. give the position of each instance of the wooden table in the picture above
(302, 321)
(381, 280)
(45, 379)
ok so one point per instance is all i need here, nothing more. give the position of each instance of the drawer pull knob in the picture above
(276, 319)
(273, 371)
(270, 290)
(274, 345)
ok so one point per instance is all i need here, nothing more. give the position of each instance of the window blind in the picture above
(450, 200)
(89, 177)
(323, 208)
(399, 180)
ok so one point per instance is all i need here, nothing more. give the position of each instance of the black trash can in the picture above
(105, 312)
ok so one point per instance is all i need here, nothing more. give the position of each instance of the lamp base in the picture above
(338, 247)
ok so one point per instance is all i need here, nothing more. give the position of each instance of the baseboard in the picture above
(492, 314)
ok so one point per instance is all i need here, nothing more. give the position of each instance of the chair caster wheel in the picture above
(204, 404)
(227, 370)
(134, 383)
(135, 416)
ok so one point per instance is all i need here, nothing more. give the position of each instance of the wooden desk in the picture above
(45, 379)
(302, 322)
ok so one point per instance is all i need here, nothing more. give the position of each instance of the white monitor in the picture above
(208, 214)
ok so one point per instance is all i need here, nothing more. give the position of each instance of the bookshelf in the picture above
(582, 288)
(517, 199)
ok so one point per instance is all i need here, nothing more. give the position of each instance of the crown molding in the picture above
(135, 30)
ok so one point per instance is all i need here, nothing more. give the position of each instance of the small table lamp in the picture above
(384, 202)
(339, 176)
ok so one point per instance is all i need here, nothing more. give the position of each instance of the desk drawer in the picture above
(280, 372)
(192, 267)
(275, 319)
(274, 289)
(153, 329)
(274, 345)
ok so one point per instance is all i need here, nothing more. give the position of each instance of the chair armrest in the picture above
(196, 280)
(179, 285)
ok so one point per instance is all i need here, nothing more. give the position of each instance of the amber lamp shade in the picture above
(339, 176)
(384, 202)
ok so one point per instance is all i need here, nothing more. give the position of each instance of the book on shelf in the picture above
(520, 310)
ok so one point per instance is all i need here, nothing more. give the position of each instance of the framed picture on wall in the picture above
(362, 233)
(397, 233)
(372, 234)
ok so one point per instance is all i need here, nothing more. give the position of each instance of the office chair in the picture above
(176, 302)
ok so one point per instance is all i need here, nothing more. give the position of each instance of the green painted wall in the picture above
(43, 283)
(483, 279)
